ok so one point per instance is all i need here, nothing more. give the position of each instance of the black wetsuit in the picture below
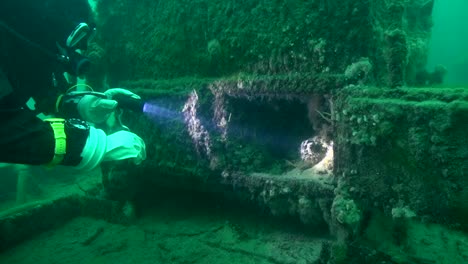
(24, 138)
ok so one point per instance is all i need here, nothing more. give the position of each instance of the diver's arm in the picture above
(92, 106)
(26, 139)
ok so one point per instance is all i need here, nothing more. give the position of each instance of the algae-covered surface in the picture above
(243, 99)
(183, 231)
(424, 243)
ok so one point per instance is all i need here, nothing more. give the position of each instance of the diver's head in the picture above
(55, 26)
(76, 44)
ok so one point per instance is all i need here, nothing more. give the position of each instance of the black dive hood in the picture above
(72, 62)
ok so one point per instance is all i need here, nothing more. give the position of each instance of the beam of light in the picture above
(196, 126)
(153, 109)
(199, 129)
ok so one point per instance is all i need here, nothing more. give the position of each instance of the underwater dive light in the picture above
(151, 108)
(129, 103)
(157, 109)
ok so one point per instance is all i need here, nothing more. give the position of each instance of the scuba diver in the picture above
(42, 48)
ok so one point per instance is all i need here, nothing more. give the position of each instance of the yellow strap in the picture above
(58, 125)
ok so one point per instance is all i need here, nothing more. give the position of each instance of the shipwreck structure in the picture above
(317, 110)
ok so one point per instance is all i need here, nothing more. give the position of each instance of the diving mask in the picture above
(81, 36)
(72, 55)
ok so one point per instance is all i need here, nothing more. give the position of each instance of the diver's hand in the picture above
(123, 145)
(97, 110)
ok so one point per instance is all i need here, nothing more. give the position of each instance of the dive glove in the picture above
(97, 110)
(117, 146)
